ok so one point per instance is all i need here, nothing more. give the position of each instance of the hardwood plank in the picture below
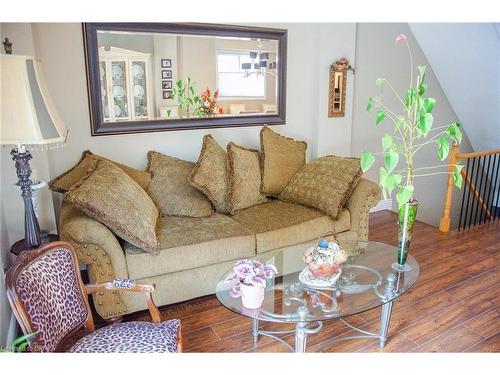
(414, 313)
(453, 341)
(474, 285)
(396, 343)
(199, 337)
(450, 317)
(489, 345)
(487, 323)
(483, 265)
(204, 319)
(420, 291)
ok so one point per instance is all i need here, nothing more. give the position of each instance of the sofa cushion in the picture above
(188, 243)
(325, 183)
(210, 174)
(170, 190)
(63, 182)
(244, 177)
(109, 195)
(281, 158)
(278, 224)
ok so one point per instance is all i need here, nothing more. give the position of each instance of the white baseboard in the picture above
(383, 204)
(11, 331)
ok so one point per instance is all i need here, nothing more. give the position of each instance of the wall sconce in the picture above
(337, 87)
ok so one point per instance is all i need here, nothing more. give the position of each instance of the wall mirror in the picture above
(337, 87)
(145, 77)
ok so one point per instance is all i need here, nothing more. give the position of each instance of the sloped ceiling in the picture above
(466, 60)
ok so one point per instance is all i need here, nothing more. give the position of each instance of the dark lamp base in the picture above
(20, 245)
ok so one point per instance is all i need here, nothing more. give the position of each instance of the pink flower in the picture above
(235, 292)
(242, 270)
(401, 37)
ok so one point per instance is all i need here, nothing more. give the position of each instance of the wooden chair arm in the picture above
(131, 286)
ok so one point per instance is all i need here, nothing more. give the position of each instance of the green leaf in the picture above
(457, 176)
(391, 159)
(429, 104)
(380, 117)
(382, 180)
(380, 82)
(22, 339)
(387, 142)
(454, 132)
(404, 194)
(444, 147)
(369, 104)
(191, 90)
(367, 160)
(399, 122)
(422, 89)
(421, 72)
(410, 97)
(425, 123)
(169, 112)
(392, 182)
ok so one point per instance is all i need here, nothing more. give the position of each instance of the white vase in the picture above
(252, 296)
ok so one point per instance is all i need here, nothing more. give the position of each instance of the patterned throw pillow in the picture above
(170, 190)
(63, 182)
(325, 183)
(210, 174)
(281, 158)
(244, 177)
(109, 195)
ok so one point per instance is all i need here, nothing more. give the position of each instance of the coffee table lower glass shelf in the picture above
(367, 281)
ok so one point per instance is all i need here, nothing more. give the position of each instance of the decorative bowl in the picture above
(325, 259)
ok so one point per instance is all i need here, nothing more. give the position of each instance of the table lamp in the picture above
(28, 120)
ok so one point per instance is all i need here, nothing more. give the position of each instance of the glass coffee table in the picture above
(367, 281)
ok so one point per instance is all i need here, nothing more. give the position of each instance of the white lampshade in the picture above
(27, 114)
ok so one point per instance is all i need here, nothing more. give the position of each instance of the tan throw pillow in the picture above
(170, 190)
(281, 158)
(244, 177)
(109, 195)
(210, 174)
(63, 182)
(325, 183)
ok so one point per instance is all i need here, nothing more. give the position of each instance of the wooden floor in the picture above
(453, 307)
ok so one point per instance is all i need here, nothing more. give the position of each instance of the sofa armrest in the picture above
(98, 248)
(365, 196)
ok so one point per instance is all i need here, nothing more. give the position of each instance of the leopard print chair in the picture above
(49, 299)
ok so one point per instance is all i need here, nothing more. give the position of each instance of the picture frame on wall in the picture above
(166, 85)
(166, 63)
(167, 94)
(166, 74)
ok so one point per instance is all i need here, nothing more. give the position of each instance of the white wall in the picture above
(378, 57)
(466, 60)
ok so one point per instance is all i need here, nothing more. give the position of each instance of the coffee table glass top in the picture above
(367, 281)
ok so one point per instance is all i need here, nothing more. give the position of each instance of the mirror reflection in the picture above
(151, 76)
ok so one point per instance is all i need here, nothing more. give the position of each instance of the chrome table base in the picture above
(304, 328)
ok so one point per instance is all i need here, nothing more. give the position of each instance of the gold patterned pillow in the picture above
(170, 190)
(325, 183)
(244, 177)
(281, 158)
(109, 195)
(210, 174)
(63, 182)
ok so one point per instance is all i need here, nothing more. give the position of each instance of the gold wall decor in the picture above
(337, 88)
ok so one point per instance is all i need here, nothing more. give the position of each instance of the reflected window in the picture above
(231, 80)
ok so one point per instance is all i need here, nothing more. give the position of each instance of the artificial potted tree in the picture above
(412, 131)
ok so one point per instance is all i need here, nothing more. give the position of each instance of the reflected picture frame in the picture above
(99, 127)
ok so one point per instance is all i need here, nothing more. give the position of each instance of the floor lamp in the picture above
(29, 120)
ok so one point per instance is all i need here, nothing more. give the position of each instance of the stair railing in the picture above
(481, 193)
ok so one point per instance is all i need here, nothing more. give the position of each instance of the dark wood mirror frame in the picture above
(99, 127)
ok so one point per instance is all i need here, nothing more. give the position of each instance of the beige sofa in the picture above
(197, 251)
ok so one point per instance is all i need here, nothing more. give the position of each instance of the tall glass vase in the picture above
(407, 215)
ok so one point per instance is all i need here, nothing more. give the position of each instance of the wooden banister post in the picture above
(444, 223)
